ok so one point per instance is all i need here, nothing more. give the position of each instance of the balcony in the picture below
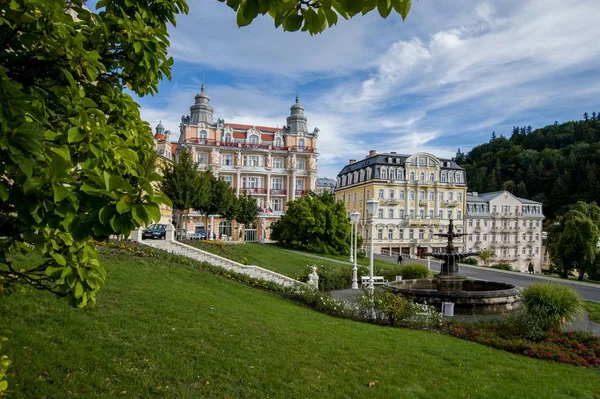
(298, 148)
(392, 201)
(451, 204)
(423, 203)
(301, 192)
(196, 140)
(424, 221)
(254, 190)
(278, 191)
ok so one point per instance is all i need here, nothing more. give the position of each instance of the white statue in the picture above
(313, 279)
(239, 158)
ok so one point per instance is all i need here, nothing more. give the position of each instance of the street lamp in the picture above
(372, 206)
(351, 239)
(354, 217)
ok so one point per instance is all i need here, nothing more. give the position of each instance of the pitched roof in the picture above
(381, 159)
(491, 195)
(246, 127)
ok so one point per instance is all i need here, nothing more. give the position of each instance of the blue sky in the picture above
(445, 78)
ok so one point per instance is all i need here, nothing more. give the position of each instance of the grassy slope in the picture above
(279, 260)
(594, 311)
(160, 325)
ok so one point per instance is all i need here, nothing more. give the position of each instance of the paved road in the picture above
(586, 290)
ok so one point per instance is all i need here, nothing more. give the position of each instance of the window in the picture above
(252, 160)
(401, 194)
(537, 250)
(459, 214)
(441, 214)
(432, 177)
(537, 223)
(202, 136)
(449, 214)
(485, 237)
(421, 234)
(401, 234)
(470, 237)
(401, 214)
(431, 214)
(421, 195)
(494, 208)
(450, 177)
(485, 222)
(384, 173)
(443, 178)
(400, 174)
(277, 204)
(440, 196)
(278, 142)
(300, 164)
(537, 236)
(431, 196)
(450, 196)
(225, 229)
(354, 197)
(250, 182)
(412, 195)
(390, 234)
(412, 176)
(459, 196)
(391, 194)
(470, 223)
(421, 213)
(380, 234)
(278, 183)
(411, 234)
(477, 223)
(422, 177)
(524, 223)
(523, 251)
(253, 139)
(227, 137)
(300, 184)
(227, 160)
(381, 193)
(227, 179)
(380, 213)
(202, 158)
(412, 213)
(301, 143)
(391, 213)
(422, 161)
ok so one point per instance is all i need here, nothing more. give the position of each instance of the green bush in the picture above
(390, 274)
(330, 278)
(361, 254)
(552, 304)
(502, 266)
(393, 306)
(414, 271)
(470, 261)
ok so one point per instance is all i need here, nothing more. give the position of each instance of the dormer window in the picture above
(278, 142)
(384, 173)
(301, 143)
(227, 138)
(443, 177)
(202, 136)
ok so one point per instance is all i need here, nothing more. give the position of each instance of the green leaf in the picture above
(123, 207)
(75, 135)
(54, 271)
(78, 292)
(292, 23)
(69, 222)
(137, 47)
(402, 7)
(3, 192)
(332, 17)
(32, 184)
(153, 211)
(106, 213)
(60, 192)
(250, 9)
(59, 259)
(62, 151)
(139, 214)
(384, 7)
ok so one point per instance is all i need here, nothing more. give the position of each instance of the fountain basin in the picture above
(470, 296)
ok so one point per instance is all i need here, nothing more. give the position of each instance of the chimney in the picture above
(372, 152)
(351, 161)
(393, 152)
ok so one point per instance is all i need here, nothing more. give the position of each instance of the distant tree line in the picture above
(557, 165)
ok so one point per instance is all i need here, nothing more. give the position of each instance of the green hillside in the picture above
(557, 165)
(164, 330)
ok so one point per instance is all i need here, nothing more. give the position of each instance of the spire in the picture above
(201, 111)
(297, 93)
(202, 87)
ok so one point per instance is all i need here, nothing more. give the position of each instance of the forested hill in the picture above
(557, 165)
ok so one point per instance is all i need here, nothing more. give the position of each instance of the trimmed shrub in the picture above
(552, 304)
(470, 261)
(502, 266)
(414, 271)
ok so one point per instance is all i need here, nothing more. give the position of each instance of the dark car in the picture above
(155, 231)
(201, 233)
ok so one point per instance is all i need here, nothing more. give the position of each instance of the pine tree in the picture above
(586, 116)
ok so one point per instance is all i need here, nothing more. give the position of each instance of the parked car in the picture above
(201, 234)
(155, 231)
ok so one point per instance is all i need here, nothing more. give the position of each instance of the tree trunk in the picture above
(581, 274)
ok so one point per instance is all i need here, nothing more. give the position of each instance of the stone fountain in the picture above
(469, 296)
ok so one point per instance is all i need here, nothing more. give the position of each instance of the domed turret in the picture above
(297, 120)
(201, 111)
(160, 131)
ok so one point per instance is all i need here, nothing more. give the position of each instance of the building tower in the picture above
(297, 120)
(201, 111)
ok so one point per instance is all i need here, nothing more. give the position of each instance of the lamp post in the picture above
(354, 217)
(351, 239)
(372, 206)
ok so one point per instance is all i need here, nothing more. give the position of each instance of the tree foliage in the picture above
(572, 242)
(486, 256)
(313, 16)
(247, 210)
(315, 223)
(557, 165)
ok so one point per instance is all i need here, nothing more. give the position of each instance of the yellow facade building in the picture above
(418, 195)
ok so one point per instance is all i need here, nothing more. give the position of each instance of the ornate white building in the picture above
(274, 165)
(418, 195)
(508, 225)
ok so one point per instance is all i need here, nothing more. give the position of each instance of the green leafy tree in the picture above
(313, 16)
(572, 242)
(220, 197)
(184, 185)
(71, 140)
(315, 223)
(486, 256)
(247, 210)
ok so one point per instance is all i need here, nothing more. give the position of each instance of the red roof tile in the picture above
(159, 136)
(246, 127)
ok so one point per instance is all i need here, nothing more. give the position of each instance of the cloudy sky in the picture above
(445, 78)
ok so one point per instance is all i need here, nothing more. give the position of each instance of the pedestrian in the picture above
(530, 268)
(399, 259)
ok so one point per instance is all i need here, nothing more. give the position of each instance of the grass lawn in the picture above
(164, 330)
(593, 309)
(272, 257)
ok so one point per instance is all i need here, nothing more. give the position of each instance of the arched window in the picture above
(450, 177)
(422, 177)
(278, 142)
(253, 139)
(224, 229)
(432, 177)
(412, 176)
(202, 136)
(301, 143)
(227, 138)
(443, 177)
(458, 177)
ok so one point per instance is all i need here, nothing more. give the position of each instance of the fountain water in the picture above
(469, 296)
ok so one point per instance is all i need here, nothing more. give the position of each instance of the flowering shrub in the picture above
(552, 304)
